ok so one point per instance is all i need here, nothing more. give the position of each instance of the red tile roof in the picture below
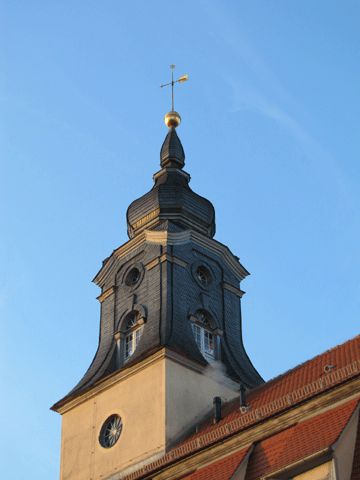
(299, 441)
(221, 470)
(283, 392)
(338, 358)
(302, 382)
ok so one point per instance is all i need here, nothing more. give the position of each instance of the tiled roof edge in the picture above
(251, 417)
(301, 365)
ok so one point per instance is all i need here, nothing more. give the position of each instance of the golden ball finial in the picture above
(172, 119)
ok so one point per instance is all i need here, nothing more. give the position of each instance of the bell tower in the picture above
(170, 332)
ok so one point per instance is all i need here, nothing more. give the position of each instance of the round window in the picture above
(110, 431)
(203, 275)
(132, 277)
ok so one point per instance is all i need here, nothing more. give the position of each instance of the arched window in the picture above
(132, 331)
(205, 335)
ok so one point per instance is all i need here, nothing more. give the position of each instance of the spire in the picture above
(172, 152)
(171, 204)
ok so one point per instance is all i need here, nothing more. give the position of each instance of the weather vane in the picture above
(173, 119)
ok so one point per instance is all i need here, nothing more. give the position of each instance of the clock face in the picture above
(110, 431)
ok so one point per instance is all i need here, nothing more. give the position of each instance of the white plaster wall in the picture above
(189, 396)
(140, 401)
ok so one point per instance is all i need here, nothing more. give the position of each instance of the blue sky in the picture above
(270, 130)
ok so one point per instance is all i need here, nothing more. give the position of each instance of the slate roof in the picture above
(168, 297)
(171, 198)
(172, 153)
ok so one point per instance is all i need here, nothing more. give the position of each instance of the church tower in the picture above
(170, 332)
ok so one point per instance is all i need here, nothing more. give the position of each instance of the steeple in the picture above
(171, 203)
(173, 208)
(170, 330)
(172, 153)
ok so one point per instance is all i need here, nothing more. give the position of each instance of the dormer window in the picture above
(131, 341)
(131, 320)
(133, 329)
(205, 335)
(205, 340)
(131, 332)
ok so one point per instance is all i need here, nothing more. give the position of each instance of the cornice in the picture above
(171, 169)
(163, 237)
(109, 381)
(233, 289)
(166, 238)
(119, 252)
(107, 293)
(222, 250)
(179, 238)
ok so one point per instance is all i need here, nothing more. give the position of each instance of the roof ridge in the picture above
(296, 367)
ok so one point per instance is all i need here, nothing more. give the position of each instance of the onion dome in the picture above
(171, 203)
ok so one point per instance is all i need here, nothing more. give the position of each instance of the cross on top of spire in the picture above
(173, 119)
